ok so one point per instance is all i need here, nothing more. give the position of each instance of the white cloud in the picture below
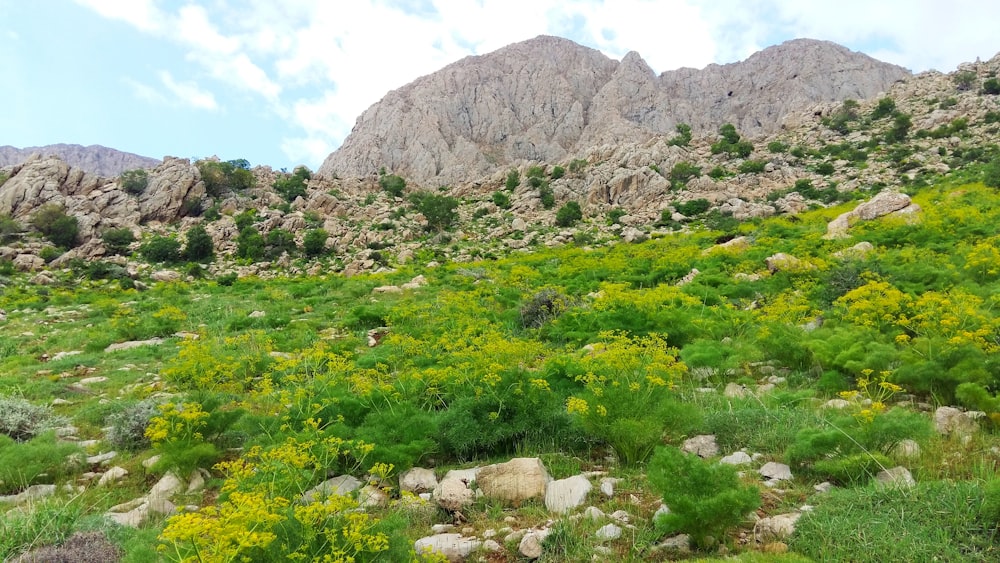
(319, 64)
(188, 93)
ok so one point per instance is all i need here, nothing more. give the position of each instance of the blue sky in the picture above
(282, 82)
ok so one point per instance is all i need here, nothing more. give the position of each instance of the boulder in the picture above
(702, 446)
(418, 480)
(453, 493)
(777, 527)
(454, 547)
(949, 421)
(336, 486)
(776, 471)
(514, 481)
(895, 477)
(564, 495)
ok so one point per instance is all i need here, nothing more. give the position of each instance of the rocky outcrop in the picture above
(548, 99)
(93, 159)
(170, 184)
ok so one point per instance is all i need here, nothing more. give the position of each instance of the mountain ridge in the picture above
(548, 99)
(95, 159)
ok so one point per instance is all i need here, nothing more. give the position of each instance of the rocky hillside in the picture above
(95, 159)
(549, 99)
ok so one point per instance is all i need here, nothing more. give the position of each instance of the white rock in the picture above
(896, 477)
(907, 449)
(566, 494)
(336, 486)
(166, 487)
(593, 513)
(736, 391)
(776, 471)
(102, 458)
(950, 421)
(418, 480)
(608, 532)
(608, 486)
(112, 475)
(703, 446)
(736, 458)
(514, 481)
(453, 494)
(531, 544)
(453, 546)
(776, 527)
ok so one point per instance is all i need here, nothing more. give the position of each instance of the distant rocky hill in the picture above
(550, 99)
(95, 159)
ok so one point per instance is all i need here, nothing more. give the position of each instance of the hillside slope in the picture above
(547, 99)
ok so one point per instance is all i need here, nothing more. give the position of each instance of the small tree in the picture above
(569, 214)
(885, 107)
(964, 80)
(52, 221)
(392, 185)
(117, 241)
(501, 200)
(9, 228)
(730, 143)
(134, 181)
(250, 244)
(901, 124)
(991, 173)
(513, 180)
(557, 172)
(682, 173)
(199, 246)
(314, 243)
(293, 186)
(705, 498)
(439, 210)
(161, 249)
(683, 137)
(991, 87)
(280, 241)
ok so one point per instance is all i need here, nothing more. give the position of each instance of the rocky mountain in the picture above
(550, 99)
(95, 159)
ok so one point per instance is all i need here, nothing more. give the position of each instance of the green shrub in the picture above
(513, 180)
(557, 172)
(9, 228)
(117, 241)
(542, 307)
(569, 214)
(717, 173)
(227, 280)
(161, 249)
(392, 185)
(127, 427)
(991, 504)
(199, 246)
(220, 177)
(705, 498)
(250, 244)
(777, 147)
(293, 186)
(536, 172)
(501, 200)
(22, 420)
(50, 253)
(42, 459)
(245, 219)
(403, 435)
(439, 210)
(578, 165)
(547, 196)
(280, 241)
(752, 166)
(683, 137)
(991, 87)
(134, 181)
(824, 168)
(991, 173)
(314, 242)
(615, 215)
(901, 124)
(731, 143)
(884, 108)
(52, 221)
(682, 173)
(964, 79)
(693, 207)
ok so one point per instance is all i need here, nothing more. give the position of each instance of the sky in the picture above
(282, 82)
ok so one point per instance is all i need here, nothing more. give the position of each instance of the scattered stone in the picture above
(102, 458)
(566, 494)
(149, 463)
(593, 513)
(907, 449)
(608, 486)
(896, 477)
(418, 480)
(118, 346)
(112, 475)
(824, 487)
(608, 532)
(514, 481)
(736, 458)
(662, 510)
(383, 289)
(416, 282)
(703, 446)
(836, 404)
(531, 544)
(949, 421)
(165, 276)
(455, 547)
(776, 471)
(336, 486)
(33, 492)
(736, 391)
(492, 546)
(621, 516)
(776, 527)
(63, 355)
(680, 543)
(442, 528)
(453, 493)
(257, 315)
(371, 496)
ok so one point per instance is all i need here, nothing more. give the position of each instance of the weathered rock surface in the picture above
(95, 159)
(548, 98)
(514, 481)
(455, 547)
(566, 494)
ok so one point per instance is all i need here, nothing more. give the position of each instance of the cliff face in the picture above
(549, 99)
(94, 159)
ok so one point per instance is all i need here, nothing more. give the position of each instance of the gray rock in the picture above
(531, 544)
(776, 471)
(736, 458)
(777, 527)
(336, 486)
(566, 494)
(949, 421)
(112, 475)
(418, 480)
(608, 532)
(514, 481)
(453, 493)
(702, 446)
(455, 547)
(895, 477)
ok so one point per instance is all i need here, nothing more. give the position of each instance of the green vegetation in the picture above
(730, 143)
(439, 210)
(683, 137)
(134, 181)
(569, 214)
(56, 225)
(314, 243)
(198, 246)
(221, 177)
(513, 180)
(501, 200)
(392, 184)
(682, 173)
(294, 185)
(161, 249)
